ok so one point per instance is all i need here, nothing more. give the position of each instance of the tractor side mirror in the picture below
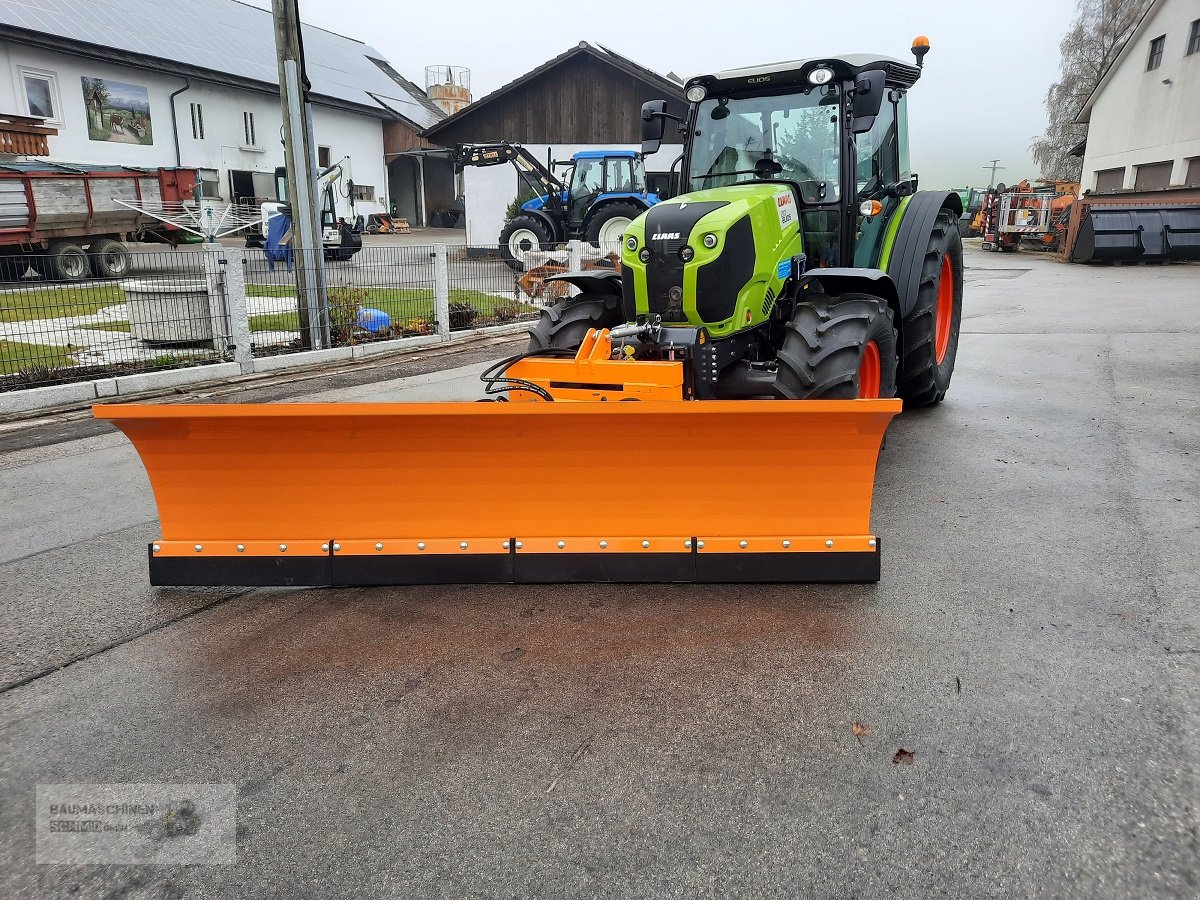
(654, 125)
(869, 88)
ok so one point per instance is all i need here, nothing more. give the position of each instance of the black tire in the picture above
(825, 343)
(510, 232)
(924, 378)
(109, 258)
(65, 262)
(620, 209)
(564, 325)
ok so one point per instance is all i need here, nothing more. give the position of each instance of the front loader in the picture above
(712, 412)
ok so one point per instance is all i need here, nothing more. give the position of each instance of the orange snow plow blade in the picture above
(419, 493)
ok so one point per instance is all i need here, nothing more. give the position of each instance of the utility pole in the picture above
(302, 182)
(994, 166)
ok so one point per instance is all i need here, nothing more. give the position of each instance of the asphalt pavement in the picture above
(1011, 712)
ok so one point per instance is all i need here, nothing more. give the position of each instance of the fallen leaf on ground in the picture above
(903, 757)
(861, 731)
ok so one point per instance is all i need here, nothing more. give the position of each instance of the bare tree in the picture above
(1099, 32)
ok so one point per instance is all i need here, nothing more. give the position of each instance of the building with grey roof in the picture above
(180, 82)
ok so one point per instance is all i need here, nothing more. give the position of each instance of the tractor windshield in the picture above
(798, 131)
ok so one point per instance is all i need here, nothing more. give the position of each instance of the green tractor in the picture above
(798, 260)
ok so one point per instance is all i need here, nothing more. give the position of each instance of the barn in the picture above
(588, 98)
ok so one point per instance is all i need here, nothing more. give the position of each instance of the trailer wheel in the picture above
(931, 327)
(838, 348)
(110, 259)
(518, 237)
(564, 325)
(65, 262)
(608, 224)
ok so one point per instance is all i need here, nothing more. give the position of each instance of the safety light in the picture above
(631, 242)
(696, 93)
(822, 75)
(710, 240)
(870, 208)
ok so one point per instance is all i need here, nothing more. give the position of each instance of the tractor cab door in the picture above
(587, 183)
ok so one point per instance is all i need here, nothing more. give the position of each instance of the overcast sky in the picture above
(980, 98)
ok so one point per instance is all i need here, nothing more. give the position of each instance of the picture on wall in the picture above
(117, 111)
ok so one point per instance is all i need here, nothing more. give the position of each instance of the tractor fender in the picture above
(908, 249)
(593, 281)
(852, 281)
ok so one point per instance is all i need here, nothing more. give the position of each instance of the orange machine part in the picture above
(594, 375)
(307, 474)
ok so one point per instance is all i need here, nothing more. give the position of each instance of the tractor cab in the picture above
(602, 173)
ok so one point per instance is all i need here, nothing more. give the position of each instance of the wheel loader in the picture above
(712, 412)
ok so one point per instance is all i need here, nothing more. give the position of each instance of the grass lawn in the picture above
(56, 302)
(15, 356)
(402, 304)
(109, 326)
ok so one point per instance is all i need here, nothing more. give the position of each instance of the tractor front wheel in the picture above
(564, 325)
(608, 225)
(931, 326)
(518, 237)
(838, 348)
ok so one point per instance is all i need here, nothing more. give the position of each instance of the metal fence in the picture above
(188, 307)
(52, 331)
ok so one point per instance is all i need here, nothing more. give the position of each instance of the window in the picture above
(364, 192)
(1194, 38)
(618, 174)
(197, 122)
(1156, 52)
(210, 184)
(41, 94)
(1192, 179)
(1110, 180)
(1153, 176)
(323, 157)
(248, 126)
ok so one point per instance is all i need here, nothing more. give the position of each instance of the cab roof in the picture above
(601, 154)
(764, 77)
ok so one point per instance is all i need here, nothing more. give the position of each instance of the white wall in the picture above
(224, 144)
(1136, 119)
(488, 191)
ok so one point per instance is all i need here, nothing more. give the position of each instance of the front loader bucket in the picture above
(418, 493)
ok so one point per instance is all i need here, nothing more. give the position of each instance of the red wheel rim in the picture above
(945, 310)
(869, 373)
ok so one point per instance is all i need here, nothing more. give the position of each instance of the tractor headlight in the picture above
(710, 240)
(644, 256)
(696, 93)
(631, 242)
(686, 253)
(821, 75)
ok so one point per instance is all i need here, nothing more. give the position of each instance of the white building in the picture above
(194, 84)
(1144, 116)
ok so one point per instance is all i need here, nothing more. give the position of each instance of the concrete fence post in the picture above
(238, 309)
(441, 289)
(574, 256)
(214, 262)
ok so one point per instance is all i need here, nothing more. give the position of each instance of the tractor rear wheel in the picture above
(564, 325)
(838, 348)
(608, 224)
(931, 327)
(518, 237)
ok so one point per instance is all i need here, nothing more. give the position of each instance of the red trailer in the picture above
(65, 220)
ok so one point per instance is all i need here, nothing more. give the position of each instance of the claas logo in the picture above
(784, 200)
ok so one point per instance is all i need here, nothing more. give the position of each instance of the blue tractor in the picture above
(603, 192)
